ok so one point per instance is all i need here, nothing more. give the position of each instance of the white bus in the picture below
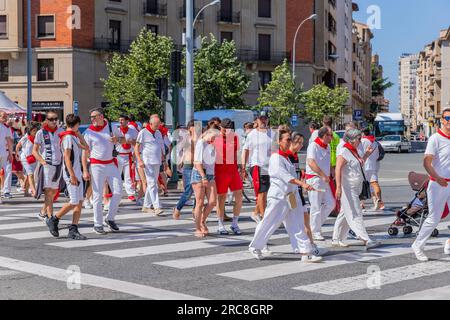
(390, 124)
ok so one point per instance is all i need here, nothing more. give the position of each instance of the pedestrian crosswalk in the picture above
(169, 245)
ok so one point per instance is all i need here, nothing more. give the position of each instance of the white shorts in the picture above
(29, 168)
(76, 193)
(372, 175)
(49, 174)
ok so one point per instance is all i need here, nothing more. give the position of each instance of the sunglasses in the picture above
(447, 118)
(52, 119)
(93, 117)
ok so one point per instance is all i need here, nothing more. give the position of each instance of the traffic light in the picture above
(175, 66)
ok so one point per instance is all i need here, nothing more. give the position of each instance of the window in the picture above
(46, 27)
(264, 9)
(226, 10)
(114, 32)
(4, 70)
(225, 35)
(45, 69)
(264, 47)
(3, 27)
(153, 28)
(264, 78)
(152, 6)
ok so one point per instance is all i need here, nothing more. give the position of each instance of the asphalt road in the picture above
(154, 258)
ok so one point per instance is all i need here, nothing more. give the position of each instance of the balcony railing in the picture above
(234, 18)
(182, 13)
(108, 45)
(159, 10)
(262, 56)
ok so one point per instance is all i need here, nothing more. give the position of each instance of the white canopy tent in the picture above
(9, 106)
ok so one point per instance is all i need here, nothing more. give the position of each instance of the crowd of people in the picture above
(95, 168)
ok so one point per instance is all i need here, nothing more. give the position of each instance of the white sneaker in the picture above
(311, 259)
(106, 208)
(87, 204)
(420, 255)
(266, 251)
(158, 212)
(339, 244)
(447, 247)
(318, 237)
(256, 218)
(372, 244)
(256, 253)
(319, 251)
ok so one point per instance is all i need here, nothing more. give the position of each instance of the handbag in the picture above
(365, 192)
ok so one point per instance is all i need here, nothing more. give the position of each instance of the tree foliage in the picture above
(379, 84)
(133, 77)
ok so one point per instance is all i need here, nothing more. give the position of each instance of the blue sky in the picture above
(406, 27)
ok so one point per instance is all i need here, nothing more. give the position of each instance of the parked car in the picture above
(396, 143)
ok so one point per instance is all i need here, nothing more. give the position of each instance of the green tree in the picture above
(132, 78)
(322, 100)
(379, 84)
(281, 95)
(220, 79)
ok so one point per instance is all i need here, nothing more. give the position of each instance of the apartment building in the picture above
(408, 66)
(361, 74)
(72, 40)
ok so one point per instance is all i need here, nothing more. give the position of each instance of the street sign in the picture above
(357, 115)
(294, 120)
(75, 107)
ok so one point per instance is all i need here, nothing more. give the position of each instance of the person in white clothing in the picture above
(437, 164)
(125, 156)
(47, 151)
(24, 150)
(284, 205)
(72, 143)
(6, 144)
(104, 168)
(318, 169)
(150, 159)
(349, 182)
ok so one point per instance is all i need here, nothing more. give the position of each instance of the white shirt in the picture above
(371, 163)
(314, 136)
(56, 146)
(100, 144)
(439, 147)
(4, 133)
(130, 135)
(152, 146)
(340, 147)
(260, 146)
(71, 142)
(281, 171)
(205, 153)
(322, 158)
(351, 173)
(27, 148)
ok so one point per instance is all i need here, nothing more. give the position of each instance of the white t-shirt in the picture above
(321, 156)
(152, 146)
(281, 171)
(56, 155)
(351, 173)
(371, 163)
(4, 133)
(100, 144)
(27, 148)
(260, 146)
(130, 135)
(314, 136)
(206, 154)
(71, 142)
(439, 147)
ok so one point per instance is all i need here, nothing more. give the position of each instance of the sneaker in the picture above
(256, 218)
(147, 210)
(420, 255)
(74, 234)
(236, 230)
(99, 230)
(158, 212)
(106, 208)
(132, 198)
(311, 259)
(447, 247)
(372, 244)
(52, 225)
(339, 244)
(8, 195)
(112, 225)
(256, 253)
(266, 251)
(352, 235)
(20, 189)
(318, 237)
(42, 216)
(319, 251)
(87, 204)
(222, 231)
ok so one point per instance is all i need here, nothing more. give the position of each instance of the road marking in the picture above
(6, 273)
(284, 269)
(10, 218)
(441, 293)
(130, 288)
(386, 277)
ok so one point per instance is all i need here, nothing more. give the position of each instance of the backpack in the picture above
(380, 151)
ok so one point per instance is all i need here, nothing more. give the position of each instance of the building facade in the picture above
(408, 66)
(73, 39)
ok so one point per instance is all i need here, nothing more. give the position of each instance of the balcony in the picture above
(182, 13)
(226, 18)
(108, 45)
(262, 56)
(152, 10)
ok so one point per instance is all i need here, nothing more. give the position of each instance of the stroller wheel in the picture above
(407, 230)
(393, 231)
(435, 233)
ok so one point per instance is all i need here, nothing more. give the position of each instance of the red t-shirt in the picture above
(226, 152)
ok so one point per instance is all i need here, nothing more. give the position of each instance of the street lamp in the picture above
(311, 17)
(29, 64)
(190, 55)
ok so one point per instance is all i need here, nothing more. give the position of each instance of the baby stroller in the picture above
(415, 213)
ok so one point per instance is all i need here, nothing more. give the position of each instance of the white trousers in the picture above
(322, 204)
(8, 177)
(152, 196)
(350, 216)
(100, 175)
(437, 198)
(278, 212)
(124, 167)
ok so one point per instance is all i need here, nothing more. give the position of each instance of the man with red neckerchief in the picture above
(125, 155)
(104, 168)
(47, 151)
(318, 170)
(437, 164)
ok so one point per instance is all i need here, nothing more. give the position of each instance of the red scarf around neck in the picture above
(443, 134)
(67, 133)
(370, 138)
(47, 128)
(291, 154)
(30, 138)
(124, 131)
(283, 154)
(149, 128)
(98, 129)
(164, 131)
(134, 124)
(320, 143)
